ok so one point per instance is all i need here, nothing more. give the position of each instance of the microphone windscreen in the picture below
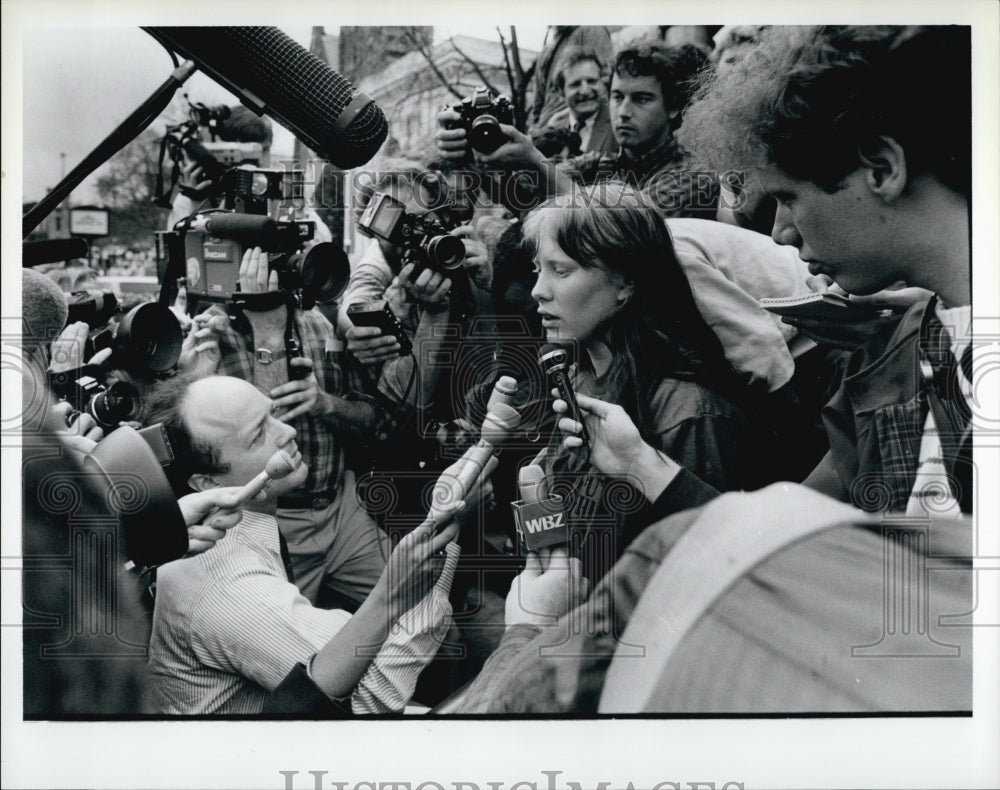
(528, 480)
(504, 391)
(44, 307)
(279, 465)
(552, 357)
(289, 83)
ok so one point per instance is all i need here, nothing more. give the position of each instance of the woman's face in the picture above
(573, 301)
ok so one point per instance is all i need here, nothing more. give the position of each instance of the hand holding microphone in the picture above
(210, 513)
(554, 361)
(460, 478)
(550, 585)
(617, 448)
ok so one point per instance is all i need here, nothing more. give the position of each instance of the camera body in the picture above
(208, 252)
(87, 391)
(146, 343)
(425, 241)
(207, 248)
(216, 159)
(211, 247)
(233, 154)
(481, 116)
(184, 140)
(96, 309)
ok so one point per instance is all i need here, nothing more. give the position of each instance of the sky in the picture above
(81, 82)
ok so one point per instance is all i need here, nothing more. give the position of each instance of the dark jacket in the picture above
(876, 419)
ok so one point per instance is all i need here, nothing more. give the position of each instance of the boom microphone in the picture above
(35, 253)
(553, 361)
(271, 73)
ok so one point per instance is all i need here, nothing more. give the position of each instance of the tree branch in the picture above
(517, 86)
(430, 62)
(475, 66)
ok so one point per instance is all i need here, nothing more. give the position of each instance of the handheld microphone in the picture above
(529, 483)
(278, 465)
(553, 361)
(271, 73)
(496, 427)
(503, 392)
(539, 518)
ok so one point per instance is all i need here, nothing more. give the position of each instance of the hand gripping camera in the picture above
(147, 341)
(209, 248)
(215, 158)
(482, 113)
(424, 241)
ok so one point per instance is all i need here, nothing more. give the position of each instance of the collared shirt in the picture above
(336, 374)
(663, 174)
(932, 487)
(876, 419)
(228, 627)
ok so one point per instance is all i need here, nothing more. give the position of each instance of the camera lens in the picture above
(150, 335)
(259, 184)
(446, 252)
(325, 270)
(118, 402)
(485, 135)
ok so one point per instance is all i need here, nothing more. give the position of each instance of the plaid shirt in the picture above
(336, 374)
(663, 174)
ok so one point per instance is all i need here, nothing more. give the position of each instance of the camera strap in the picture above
(271, 300)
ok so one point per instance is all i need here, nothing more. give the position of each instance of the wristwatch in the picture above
(265, 356)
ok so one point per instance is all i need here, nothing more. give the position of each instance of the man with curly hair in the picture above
(862, 135)
(651, 84)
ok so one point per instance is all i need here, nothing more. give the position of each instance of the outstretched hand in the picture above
(615, 443)
(415, 563)
(209, 514)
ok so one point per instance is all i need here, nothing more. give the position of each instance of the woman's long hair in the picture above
(658, 332)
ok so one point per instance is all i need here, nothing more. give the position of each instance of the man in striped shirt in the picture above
(228, 625)
(335, 547)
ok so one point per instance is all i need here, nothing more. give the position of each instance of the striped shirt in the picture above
(228, 626)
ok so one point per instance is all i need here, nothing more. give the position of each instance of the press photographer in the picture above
(237, 136)
(262, 326)
(124, 358)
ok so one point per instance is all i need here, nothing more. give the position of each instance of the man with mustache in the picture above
(585, 123)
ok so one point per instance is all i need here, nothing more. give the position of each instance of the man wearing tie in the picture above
(584, 86)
